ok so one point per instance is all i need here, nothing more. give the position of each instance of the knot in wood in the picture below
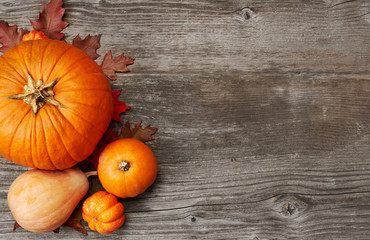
(291, 206)
(246, 13)
(289, 209)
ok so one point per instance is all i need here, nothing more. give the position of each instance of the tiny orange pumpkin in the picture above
(34, 35)
(103, 212)
(127, 167)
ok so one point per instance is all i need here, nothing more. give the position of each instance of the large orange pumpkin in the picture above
(55, 104)
(127, 167)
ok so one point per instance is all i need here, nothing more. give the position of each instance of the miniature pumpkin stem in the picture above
(37, 94)
(124, 166)
(92, 173)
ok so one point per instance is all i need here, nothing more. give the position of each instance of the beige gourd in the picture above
(41, 200)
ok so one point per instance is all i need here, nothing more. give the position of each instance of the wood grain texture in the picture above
(263, 109)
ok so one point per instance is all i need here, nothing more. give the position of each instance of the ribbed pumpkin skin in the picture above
(103, 212)
(56, 137)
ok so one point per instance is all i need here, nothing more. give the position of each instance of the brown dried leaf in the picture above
(110, 66)
(89, 45)
(74, 221)
(50, 20)
(9, 36)
(139, 133)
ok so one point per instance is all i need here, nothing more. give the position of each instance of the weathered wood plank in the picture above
(263, 109)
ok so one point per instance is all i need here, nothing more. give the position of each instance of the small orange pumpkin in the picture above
(127, 167)
(34, 35)
(103, 212)
(55, 104)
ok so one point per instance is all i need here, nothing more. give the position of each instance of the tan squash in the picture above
(42, 201)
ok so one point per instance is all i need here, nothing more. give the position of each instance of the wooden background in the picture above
(263, 109)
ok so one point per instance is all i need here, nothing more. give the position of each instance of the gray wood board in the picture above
(263, 109)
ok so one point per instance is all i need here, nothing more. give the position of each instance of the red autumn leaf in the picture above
(9, 36)
(74, 221)
(119, 106)
(110, 66)
(16, 225)
(138, 132)
(108, 137)
(89, 45)
(50, 20)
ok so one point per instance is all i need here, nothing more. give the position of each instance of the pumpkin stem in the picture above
(124, 166)
(37, 94)
(92, 173)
